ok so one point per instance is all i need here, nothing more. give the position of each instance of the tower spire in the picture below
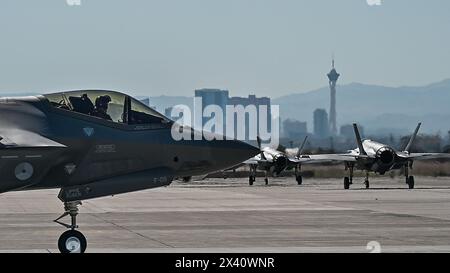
(333, 77)
(332, 60)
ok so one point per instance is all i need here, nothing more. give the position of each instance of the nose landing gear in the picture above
(298, 174)
(266, 179)
(366, 181)
(252, 177)
(410, 182)
(349, 180)
(409, 179)
(71, 241)
(346, 183)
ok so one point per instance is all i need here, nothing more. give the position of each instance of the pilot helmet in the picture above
(102, 101)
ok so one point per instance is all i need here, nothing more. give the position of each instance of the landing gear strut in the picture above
(346, 183)
(366, 181)
(252, 177)
(71, 241)
(298, 174)
(409, 179)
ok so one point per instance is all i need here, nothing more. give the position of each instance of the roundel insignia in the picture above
(24, 171)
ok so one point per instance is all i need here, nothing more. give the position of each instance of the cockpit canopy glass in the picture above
(107, 105)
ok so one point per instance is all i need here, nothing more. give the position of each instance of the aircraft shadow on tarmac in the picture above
(399, 188)
(217, 186)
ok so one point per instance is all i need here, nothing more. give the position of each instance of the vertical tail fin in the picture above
(413, 137)
(263, 157)
(358, 140)
(300, 149)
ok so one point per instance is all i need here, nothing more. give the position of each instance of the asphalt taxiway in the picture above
(218, 215)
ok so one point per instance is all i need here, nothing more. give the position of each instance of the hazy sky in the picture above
(267, 47)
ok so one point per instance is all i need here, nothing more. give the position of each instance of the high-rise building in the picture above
(213, 97)
(333, 77)
(178, 118)
(221, 98)
(321, 128)
(252, 100)
(294, 129)
(168, 112)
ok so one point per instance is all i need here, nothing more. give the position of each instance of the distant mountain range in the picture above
(381, 110)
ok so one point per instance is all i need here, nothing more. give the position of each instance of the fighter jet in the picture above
(273, 162)
(371, 156)
(94, 143)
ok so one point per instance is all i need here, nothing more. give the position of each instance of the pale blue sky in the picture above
(268, 47)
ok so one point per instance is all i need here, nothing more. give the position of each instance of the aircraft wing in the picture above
(332, 158)
(251, 161)
(16, 138)
(423, 156)
(327, 158)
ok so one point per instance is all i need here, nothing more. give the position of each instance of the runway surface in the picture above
(218, 215)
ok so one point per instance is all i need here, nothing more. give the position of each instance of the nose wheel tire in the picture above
(251, 179)
(367, 184)
(72, 241)
(299, 180)
(411, 182)
(346, 183)
(266, 181)
(188, 179)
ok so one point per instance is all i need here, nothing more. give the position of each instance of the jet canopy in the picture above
(109, 105)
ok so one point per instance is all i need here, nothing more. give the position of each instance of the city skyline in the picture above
(387, 110)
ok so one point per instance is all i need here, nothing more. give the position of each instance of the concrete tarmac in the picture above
(218, 215)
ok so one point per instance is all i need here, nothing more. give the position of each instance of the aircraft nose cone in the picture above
(229, 153)
(244, 150)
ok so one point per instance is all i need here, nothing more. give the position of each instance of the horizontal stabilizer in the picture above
(328, 158)
(423, 156)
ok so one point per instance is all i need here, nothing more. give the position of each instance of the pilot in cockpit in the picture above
(101, 107)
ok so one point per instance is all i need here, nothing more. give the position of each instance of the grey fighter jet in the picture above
(93, 143)
(371, 156)
(274, 162)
